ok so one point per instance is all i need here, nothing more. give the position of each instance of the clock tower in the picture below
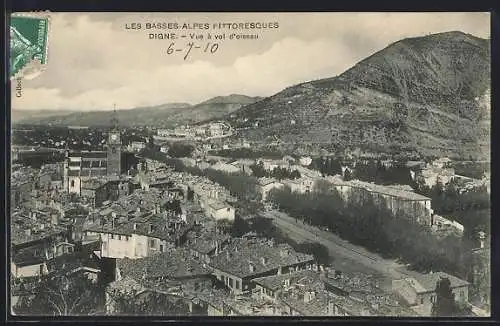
(114, 148)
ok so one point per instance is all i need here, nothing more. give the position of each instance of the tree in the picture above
(180, 150)
(258, 170)
(319, 251)
(444, 305)
(239, 227)
(65, 296)
(224, 225)
(144, 303)
(295, 174)
(347, 175)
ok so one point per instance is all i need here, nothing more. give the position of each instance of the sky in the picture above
(95, 62)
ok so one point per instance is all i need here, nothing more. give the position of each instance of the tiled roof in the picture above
(90, 154)
(276, 282)
(214, 297)
(218, 205)
(205, 242)
(251, 306)
(92, 184)
(125, 284)
(70, 262)
(428, 282)
(19, 236)
(355, 282)
(176, 263)
(316, 307)
(266, 181)
(164, 227)
(27, 256)
(402, 194)
(238, 256)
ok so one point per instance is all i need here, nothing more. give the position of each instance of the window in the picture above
(152, 243)
(161, 248)
(119, 237)
(72, 183)
(237, 284)
(228, 209)
(112, 236)
(421, 300)
(231, 282)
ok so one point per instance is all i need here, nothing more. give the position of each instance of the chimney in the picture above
(482, 238)
(308, 296)
(284, 252)
(330, 308)
(251, 267)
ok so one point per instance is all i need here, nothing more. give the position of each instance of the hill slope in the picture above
(19, 115)
(159, 116)
(426, 94)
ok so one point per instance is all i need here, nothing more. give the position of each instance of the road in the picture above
(345, 254)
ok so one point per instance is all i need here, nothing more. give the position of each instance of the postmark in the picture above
(29, 36)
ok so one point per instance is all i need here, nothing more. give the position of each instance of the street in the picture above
(346, 256)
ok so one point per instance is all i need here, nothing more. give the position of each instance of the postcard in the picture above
(250, 164)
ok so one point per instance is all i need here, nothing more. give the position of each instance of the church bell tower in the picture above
(114, 148)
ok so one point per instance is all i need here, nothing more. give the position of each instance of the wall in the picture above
(461, 294)
(77, 184)
(226, 278)
(225, 213)
(405, 290)
(30, 270)
(116, 247)
(212, 311)
(267, 188)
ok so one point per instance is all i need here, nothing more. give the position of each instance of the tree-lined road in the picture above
(345, 254)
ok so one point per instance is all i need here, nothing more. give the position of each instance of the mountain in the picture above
(214, 108)
(19, 115)
(426, 95)
(159, 116)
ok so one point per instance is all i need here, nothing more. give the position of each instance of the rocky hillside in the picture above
(427, 95)
(164, 115)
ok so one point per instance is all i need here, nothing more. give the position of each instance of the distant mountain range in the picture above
(164, 115)
(427, 95)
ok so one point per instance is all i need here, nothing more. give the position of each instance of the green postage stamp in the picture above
(28, 44)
